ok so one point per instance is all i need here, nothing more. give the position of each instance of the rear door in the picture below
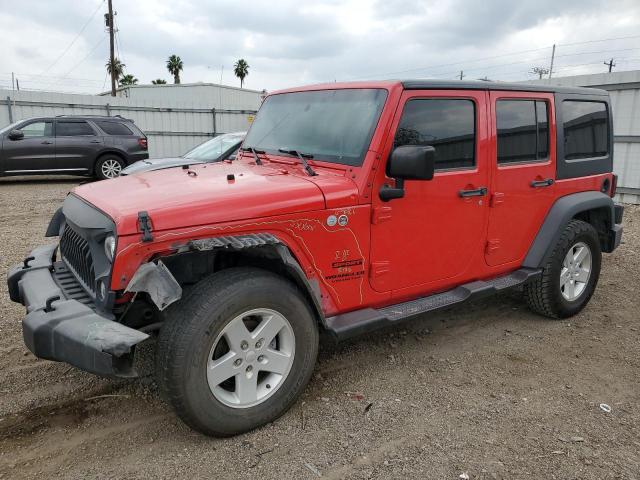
(77, 144)
(428, 239)
(523, 182)
(36, 151)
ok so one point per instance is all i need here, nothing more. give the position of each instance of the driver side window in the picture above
(446, 124)
(37, 129)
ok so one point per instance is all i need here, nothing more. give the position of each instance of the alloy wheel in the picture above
(575, 272)
(251, 358)
(111, 168)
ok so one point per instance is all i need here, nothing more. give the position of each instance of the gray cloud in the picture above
(288, 42)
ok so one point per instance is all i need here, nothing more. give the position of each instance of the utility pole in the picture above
(610, 64)
(111, 49)
(553, 56)
(462, 75)
(540, 71)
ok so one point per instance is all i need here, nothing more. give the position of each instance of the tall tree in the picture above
(127, 80)
(241, 70)
(175, 66)
(115, 68)
(159, 81)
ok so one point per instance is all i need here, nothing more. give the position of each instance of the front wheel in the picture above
(236, 351)
(570, 275)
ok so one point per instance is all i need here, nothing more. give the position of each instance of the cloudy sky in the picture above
(62, 45)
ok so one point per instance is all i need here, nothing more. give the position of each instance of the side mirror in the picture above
(16, 135)
(408, 162)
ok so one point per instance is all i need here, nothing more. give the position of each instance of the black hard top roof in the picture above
(481, 85)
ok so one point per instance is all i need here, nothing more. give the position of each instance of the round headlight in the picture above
(110, 247)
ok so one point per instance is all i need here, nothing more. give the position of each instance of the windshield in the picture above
(330, 125)
(212, 149)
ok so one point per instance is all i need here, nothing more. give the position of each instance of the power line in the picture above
(74, 40)
(86, 57)
(429, 67)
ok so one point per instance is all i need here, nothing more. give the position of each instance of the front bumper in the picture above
(60, 327)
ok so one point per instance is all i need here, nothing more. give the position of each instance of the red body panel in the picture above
(428, 241)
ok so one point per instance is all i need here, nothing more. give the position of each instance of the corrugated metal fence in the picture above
(172, 127)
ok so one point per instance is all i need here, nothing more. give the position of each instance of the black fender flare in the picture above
(562, 211)
(277, 249)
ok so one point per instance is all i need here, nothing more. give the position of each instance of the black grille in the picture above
(76, 254)
(70, 285)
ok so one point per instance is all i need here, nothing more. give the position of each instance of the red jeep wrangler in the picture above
(350, 207)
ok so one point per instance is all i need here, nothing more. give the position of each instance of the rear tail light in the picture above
(143, 143)
(614, 185)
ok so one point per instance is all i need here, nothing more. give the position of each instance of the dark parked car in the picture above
(222, 147)
(71, 145)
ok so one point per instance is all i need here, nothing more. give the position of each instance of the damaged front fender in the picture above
(156, 280)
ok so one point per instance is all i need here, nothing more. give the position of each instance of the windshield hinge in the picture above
(144, 223)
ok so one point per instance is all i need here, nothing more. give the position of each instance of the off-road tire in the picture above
(99, 170)
(192, 326)
(543, 294)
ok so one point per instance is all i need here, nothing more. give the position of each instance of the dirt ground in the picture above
(488, 389)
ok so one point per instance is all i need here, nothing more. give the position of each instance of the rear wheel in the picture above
(108, 167)
(236, 351)
(570, 275)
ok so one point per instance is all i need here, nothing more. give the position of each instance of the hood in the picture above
(158, 164)
(212, 193)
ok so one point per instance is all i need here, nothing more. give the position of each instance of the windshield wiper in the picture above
(303, 158)
(255, 153)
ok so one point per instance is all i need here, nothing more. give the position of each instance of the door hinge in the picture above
(492, 246)
(379, 268)
(144, 223)
(380, 214)
(497, 198)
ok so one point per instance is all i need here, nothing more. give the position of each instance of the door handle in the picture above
(542, 183)
(95, 141)
(478, 192)
(47, 142)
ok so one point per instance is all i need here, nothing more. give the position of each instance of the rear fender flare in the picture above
(562, 211)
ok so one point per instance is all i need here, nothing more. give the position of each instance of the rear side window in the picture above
(37, 129)
(114, 128)
(446, 124)
(66, 128)
(523, 130)
(586, 129)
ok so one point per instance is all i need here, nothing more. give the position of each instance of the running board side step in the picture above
(358, 322)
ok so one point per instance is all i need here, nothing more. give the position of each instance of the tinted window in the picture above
(72, 129)
(37, 129)
(447, 125)
(586, 129)
(542, 117)
(114, 128)
(332, 125)
(523, 130)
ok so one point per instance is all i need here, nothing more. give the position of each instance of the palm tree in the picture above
(116, 66)
(174, 65)
(127, 80)
(241, 70)
(158, 81)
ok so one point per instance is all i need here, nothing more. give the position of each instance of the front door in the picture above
(428, 239)
(523, 160)
(35, 151)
